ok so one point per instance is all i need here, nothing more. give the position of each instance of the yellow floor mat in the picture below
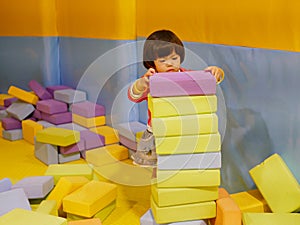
(17, 161)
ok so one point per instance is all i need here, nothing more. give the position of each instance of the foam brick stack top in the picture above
(185, 125)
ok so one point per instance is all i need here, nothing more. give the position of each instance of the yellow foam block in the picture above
(88, 122)
(181, 105)
(195, 211)
(90, 198)
(102, 214)
(110, 134)
(179, 196)
(107, 154)
(65, 186)
(185, 125)
(188, 144)
(58, 136)
(48, 207)
(66, 170)
(23, 95)
(1, 129)
(188, 178)
(94, 221)
(25, 217)
(29, 130)
(4, 97)
(271, 218)
(277, 184)
(228, 212)
(250, 201)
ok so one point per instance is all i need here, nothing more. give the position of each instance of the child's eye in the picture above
(175, 58)
(161, 60)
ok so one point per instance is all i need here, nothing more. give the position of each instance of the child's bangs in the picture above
(164, 49)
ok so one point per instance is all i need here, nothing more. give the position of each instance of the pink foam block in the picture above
(79, 146)
(88, 109)
(9, 101)
(58, 118)
(182, 83)
(51, 89)
(11, 123)
(128, 142)
(91, 139)
(52, 106)
(37, 114)
(39, 90)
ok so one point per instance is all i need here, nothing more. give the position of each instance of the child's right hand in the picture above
(142, 84)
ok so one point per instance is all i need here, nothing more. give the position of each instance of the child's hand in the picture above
(217, 72)
(142, 84)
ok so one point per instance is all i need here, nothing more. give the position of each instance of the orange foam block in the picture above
(29, 129)
(110, 134)
(90, 198)
(94, 221)
(23, 95)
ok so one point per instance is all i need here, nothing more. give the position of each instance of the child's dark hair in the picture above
(161, 43)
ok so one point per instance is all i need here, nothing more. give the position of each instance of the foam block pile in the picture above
(185, 125)
(59, 121)
(66, 192)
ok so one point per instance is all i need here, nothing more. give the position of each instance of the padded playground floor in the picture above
(18, 161)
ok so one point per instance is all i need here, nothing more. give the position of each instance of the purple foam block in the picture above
(39, 90)
(51, 89)
(79, 146)
(51, 106)
(127, 142)
(182, 84)
(11, 123)
(2, 107)
(9, 101)
(92, 140)
(88, 109)
(37, 114)
(58, 118)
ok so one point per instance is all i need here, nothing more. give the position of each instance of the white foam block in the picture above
(5, 184)
(210, 160)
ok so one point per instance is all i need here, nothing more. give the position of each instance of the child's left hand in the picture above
(217, 72)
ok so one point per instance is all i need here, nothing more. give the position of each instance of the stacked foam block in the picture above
(185, 125)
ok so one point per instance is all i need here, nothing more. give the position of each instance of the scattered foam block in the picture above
(63, 170)
(29, 129)
(88, 109)
(37, 114)
(74, 148)
(179, 196)
(182, 83)
(181, 105)
(23, 95)
(9, 101)
(51, 106)
(58, 136)
(71, 126)
(47, 207)
(12, 135)
(210, 160)
(57, 118)
(88, 122)
(11, 123)
(46, 153)
(5, 184)
(106, 154)
(1, 129)
(91, 139)
(65, 186)
(20, 110)
(94, 221)
(70, 96)
(63, 158)
(271, 218)
(188, 144)
(228, 212)
(130, 129)
(3, 114)
(35, 186)
(110, 134)
(188, 178)
(127, 142)
(147, 219)
(12, 199)
(26, 217)
(53, 88)
(90, 198)
(3, 97)
(279, 199)
(46, 124)
(223, 193)
(185, 125)
(39, 90)
(195, 211)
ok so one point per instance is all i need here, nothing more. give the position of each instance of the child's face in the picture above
(170, 63)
